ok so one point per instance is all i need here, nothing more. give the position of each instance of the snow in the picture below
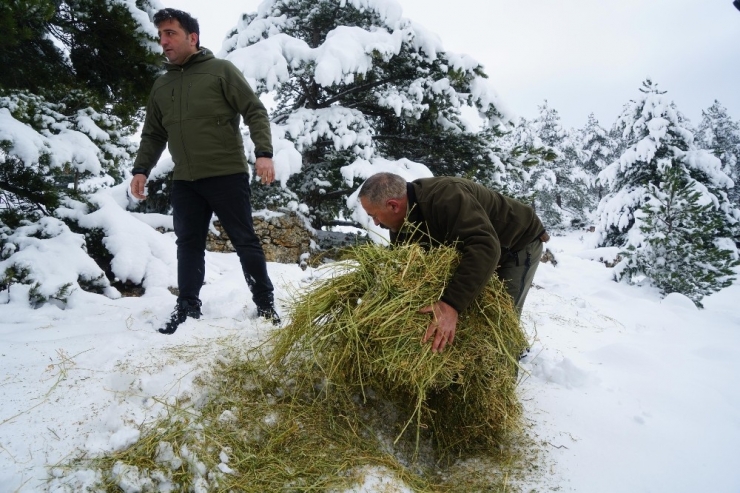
(143, 20)
(638, 390)
(259, 47)
(27, 144)
(626, 392)
(347, 128)
(76, 142)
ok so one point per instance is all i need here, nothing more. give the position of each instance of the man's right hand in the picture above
(138, 186)
(442, 328)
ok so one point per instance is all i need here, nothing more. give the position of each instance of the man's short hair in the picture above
(188, 22)
(382, 187)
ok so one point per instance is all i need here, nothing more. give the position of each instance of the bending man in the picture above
(495, 235)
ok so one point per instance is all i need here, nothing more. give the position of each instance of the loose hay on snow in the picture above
(287, 417)
(257, 432)
(360, 330)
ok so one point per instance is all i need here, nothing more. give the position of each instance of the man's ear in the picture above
(393, 204)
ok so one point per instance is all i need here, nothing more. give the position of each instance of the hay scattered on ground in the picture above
(258, 432)
(347, 389)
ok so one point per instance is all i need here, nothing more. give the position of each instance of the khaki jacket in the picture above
(195, 109)
(481, 223)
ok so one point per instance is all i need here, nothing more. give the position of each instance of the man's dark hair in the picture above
(188, 22)
(381, 187)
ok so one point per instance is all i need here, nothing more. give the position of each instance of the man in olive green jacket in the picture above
(495, 235)
(195, 109)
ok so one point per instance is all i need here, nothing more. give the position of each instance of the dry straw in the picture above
(361, 329)
(348, 389)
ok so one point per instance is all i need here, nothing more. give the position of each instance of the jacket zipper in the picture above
(182, 137)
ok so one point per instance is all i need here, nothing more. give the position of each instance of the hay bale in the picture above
(359, 330)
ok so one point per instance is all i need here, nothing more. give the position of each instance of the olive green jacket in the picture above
(195, 109)
(482, 224)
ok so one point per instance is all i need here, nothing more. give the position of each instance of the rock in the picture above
(285, 236)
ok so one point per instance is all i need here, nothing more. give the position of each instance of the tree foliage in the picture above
(401, 96)
(82, 53)
(75, 76)
(667, 203)
(719, 134)
(680, 252)
(597, 151)
(560, 184)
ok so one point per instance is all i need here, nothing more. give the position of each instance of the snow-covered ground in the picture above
(628, 392)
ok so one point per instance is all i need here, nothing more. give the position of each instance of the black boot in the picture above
(183, 310)
(267, 311)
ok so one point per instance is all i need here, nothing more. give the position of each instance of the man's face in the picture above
(176, 43)
(390, 215)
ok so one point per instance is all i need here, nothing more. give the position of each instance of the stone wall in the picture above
(285, 236)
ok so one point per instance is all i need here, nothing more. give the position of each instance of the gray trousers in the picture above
(517, 270)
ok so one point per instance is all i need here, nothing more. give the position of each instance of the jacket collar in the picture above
(413, 212)
(199, 56)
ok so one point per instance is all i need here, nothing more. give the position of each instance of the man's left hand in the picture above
(265, 169)
(442, 327)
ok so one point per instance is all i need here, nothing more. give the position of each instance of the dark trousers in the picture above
(517, 271)
(193, 204)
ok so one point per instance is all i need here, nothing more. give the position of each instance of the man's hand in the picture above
(442, 327)
(138, 184)
(265, 169)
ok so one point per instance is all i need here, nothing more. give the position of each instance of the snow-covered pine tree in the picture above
(721, 135)
(663, 188)
(543, 179)
(678, 250)
(577, 201)
(75, 76)
(525, 151)
(353, 80)
(656, 137)
(560, 188)
(597, 151)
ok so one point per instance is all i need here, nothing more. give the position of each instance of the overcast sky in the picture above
(582, 56)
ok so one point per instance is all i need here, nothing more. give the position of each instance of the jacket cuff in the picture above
(139, 171)
(452, 303)
(263, 154)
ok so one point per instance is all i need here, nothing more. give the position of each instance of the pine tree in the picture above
(75, 76)
(597, 151)
(355, 81)
(561, 197)
(721, 135)
(667, 203)
(679, 251)
(71, 69)
(514, 156)
(656, 138)
(82, 53)
(577, 199)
